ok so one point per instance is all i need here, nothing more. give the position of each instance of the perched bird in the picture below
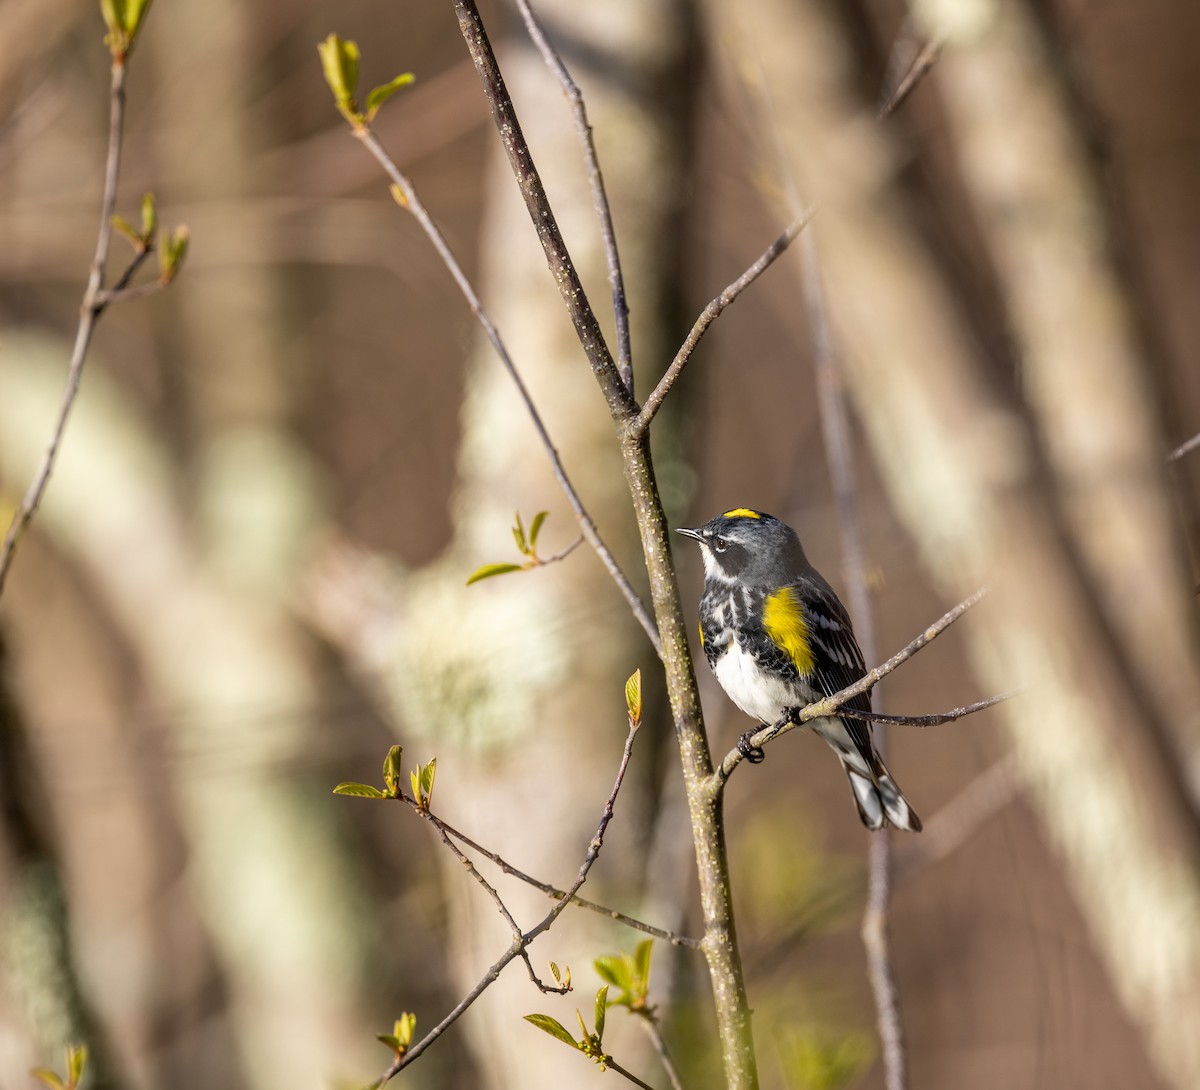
(778, 638)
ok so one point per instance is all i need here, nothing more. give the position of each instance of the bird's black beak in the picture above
(697, 534)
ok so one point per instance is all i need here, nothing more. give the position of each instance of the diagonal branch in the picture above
(559, 894)
(709, 315)
(90, 310)
(933, 720)
(412, 202)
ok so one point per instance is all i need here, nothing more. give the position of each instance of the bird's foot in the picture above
(753, 754)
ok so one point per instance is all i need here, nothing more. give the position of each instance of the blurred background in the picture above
(247, 578)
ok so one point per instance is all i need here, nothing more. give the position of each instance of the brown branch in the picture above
(559, 894)
(90, 311)
(654, 1032)
(412, 203)
(1184, 448)
(608, 233)
(932, 720)
(916, 72)
(832, 705)
(709, 315)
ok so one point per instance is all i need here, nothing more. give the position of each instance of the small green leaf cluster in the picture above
(339, 62)
(630, 975)
(401, 1036)
(172, 245)
(421, 777)
(77, 1057)
(124, 19)
(526, 546)
(590, 1043)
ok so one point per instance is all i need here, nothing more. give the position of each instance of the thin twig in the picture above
(654, 1032)
(926, 720)
(520, 941)
(1184, 448)
(614, 1066)
(710, 314)
(831, 705)
(90, 311)
(558, 894)
(608, 233)
(586, 524)
(920, 66)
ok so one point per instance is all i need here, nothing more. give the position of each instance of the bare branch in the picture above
(831, 705)
(520, 941)
(412, 202)
(709, 315)
(559, 894)
(1184, 448)
(927, 720)
(916, 71)
(608, 233)
(654, 1032)
(90, 311)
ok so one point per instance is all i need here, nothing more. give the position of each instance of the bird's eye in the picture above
(719, 544)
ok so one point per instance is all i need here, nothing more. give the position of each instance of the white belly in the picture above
(759, 695)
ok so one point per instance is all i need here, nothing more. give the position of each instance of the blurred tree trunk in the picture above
(964, 468)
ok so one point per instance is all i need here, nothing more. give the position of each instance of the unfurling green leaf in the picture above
(77, 1057)
(149, 217)
(535, 527)
(359, 790)
(427, 776)
(123, 227)
(48, 1078)
(489, 570)
(601, 1005)
(616, 970)
(404, 1027)
(555, 973)
(553, 1027)
(172, 249)
(518, 533)
(124, 20)
(641, 964)
(392, 771)
(339, 62)
(633, 698)
(379, 95)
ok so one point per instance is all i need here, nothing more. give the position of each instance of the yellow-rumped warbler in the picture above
(778, 638)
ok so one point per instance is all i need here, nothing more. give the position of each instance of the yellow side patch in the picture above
(701, 627)
(785, 624)
(741, 512)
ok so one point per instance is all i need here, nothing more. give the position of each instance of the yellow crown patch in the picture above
(741, 512)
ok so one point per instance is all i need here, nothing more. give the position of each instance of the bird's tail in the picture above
(880, 799)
